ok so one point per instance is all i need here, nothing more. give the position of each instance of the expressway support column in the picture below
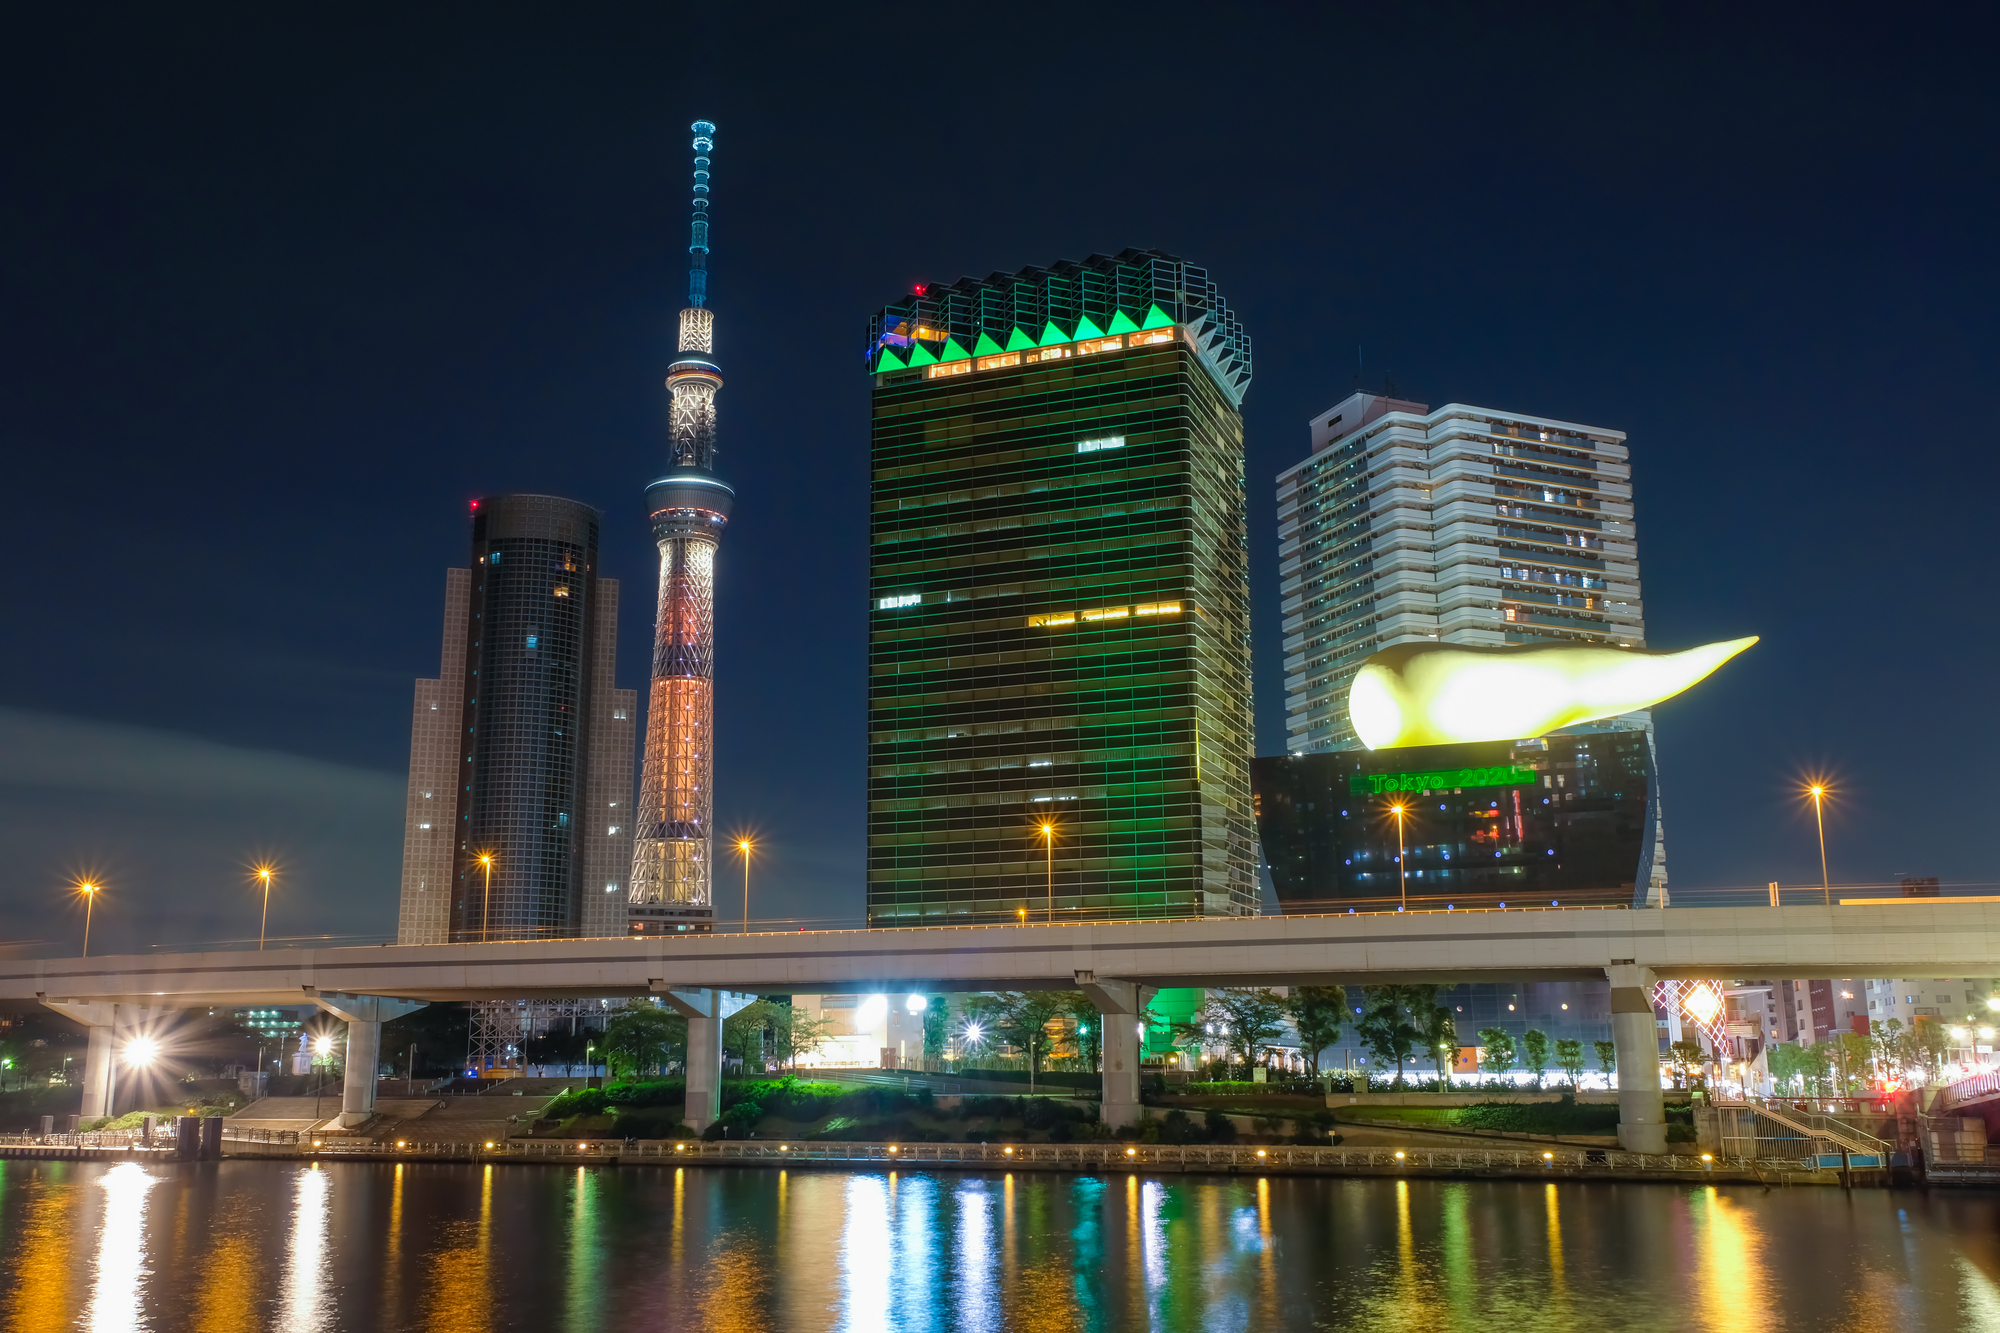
(705, 1011)
(102, 1020)
(1642, 1120)
(1120, 1009)
(364, 1015)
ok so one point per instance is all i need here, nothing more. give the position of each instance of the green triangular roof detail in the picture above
(921, 355)
(1122, 323)
(1051, 334)
(985, 346)
(953, 352)
(888, 361)
(1086, 329)
(1155, 319)
(1018, 340)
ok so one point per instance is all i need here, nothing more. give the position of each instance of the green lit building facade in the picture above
(1060, 606)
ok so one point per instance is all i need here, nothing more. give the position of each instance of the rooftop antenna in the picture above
(698, 249)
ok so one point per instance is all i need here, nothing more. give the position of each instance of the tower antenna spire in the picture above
(672, 886)
(704, 143)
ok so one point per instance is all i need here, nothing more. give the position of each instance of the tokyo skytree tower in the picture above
(672, 881)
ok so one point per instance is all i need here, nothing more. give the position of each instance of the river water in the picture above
(355, 1246)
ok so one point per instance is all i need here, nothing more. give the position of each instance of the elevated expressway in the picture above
(1116, 963)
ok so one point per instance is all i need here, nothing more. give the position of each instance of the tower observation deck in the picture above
(672, 880)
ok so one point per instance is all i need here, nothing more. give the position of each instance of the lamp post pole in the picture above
(89, 891)
(264, 874)
(1049, 845)
(1402, 871)
(745, 846)
(486, 903)
(1818, 793)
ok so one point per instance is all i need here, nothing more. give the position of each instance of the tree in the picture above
(785, 1032)
(1684, 1057)
(937, 1027)
(1607, 1057)
(1391, 1022)
(1535, 1053)
(1243, 1021)
(1850, 1057)
(1569, 1059)
(1498, 1048)
(1891, 1049)
(747, 1033)
(1930, 1047)
(642, 1038)
(1317, 1013)
(1440, 1029)
(1089, 1029)
(1022, 1018)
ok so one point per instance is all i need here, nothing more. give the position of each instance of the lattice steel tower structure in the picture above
(672, 882)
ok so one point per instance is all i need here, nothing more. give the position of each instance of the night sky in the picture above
(280, 293)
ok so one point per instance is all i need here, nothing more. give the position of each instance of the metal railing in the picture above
(128, 1139)
(1973, 1089)
(1817, 1125)
(1066, 1156)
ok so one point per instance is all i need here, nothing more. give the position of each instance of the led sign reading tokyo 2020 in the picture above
(1441, 779)
(1444, 694)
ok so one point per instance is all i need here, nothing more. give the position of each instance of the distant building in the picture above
(1059, 627)
(1824, 1009)
(521, 753)
(1567, 819)
(1945, 999)
(276, 1024)
(1461, 524)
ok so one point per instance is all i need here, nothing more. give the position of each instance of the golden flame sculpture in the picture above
(1442, 694)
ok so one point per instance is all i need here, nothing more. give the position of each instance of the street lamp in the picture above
(88, 889)
(321, 1047)
(1817, 791)
(743, 848)
(264, 873)
(486, 903)
(1049, 844)
(139, 1053)
(1402, 871)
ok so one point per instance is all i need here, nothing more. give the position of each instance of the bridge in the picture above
(1117, 964)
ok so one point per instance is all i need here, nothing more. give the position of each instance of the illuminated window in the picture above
(1099, 345)
(562, 590)
(1098, 446)
(1151, 336)
(999, 362)
(1052, 618)
(1048, 354)
(901, 599)
(1105, 613)
(948, 368)
(1157, 609)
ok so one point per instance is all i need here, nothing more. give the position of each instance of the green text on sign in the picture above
(1503, 775)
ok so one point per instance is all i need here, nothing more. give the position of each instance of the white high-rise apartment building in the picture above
(1460, 525)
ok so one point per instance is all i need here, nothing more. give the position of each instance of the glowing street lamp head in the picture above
(486, 858)
(87, 886)
(323, 1045)
(745, 846)
(141, 1051)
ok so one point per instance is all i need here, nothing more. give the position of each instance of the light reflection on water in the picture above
(121, 1253)
(248, 1245)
